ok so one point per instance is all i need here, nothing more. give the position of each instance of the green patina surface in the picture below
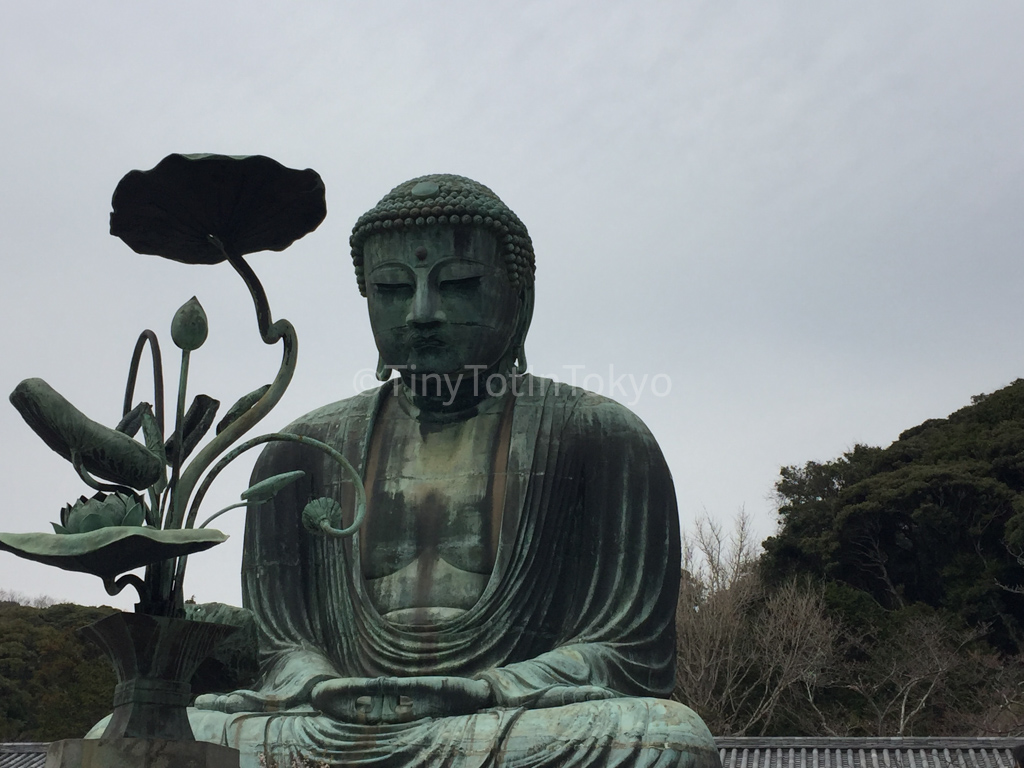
(468, 564)
(511, 593)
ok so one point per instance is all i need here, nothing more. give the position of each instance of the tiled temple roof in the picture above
(31, 754)
(915, 752)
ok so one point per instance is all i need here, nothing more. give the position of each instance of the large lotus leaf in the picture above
(105, 452)
(109, 551)
(248, 203)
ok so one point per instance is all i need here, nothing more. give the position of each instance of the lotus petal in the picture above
(198, 420)
(105, 452)
(186, 204)
(132, 420)
(241, 407)
(109, 552)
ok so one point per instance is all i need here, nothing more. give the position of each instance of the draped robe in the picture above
(583, 593)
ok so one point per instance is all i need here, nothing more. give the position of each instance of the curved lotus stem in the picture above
(220, 512)
(92, 482)
(259, 296)
(271, 333)
(114, 587)
(286, 437)
(183, 485)
(358, 516)
(158, 376)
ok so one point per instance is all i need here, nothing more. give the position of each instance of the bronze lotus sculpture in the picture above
(196, 209)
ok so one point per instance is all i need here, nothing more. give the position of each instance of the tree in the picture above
(745, 654)
(760, 657)
(934, 518)
(907, 677)
(920, 548)
(53, 685)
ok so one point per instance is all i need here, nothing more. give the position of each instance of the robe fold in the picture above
(583, 593)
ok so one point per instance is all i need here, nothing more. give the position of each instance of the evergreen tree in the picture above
(936, 518)
(53, 684)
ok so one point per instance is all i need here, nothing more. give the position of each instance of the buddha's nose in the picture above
(426, 307)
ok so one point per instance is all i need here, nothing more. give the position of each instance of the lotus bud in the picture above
(101, 511)
(320, 513)
(189, 327)
(267, 489)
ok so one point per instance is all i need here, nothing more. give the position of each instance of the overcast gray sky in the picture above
(804, 216)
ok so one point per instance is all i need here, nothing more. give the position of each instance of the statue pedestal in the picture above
(139, 753)
(154, 658)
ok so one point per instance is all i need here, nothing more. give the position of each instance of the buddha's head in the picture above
(447, 271)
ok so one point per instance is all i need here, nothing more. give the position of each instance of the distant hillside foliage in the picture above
(904, 564)
(937, 518)
(53, 684)
(804, 656)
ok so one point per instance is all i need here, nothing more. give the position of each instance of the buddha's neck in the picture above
(447, 396)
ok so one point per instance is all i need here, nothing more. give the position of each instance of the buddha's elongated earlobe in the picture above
(517, 354)
(520, 360)
(383, 372)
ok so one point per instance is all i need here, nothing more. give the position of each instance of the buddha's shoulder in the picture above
(590, 413)
(341, 424)
(351, 412)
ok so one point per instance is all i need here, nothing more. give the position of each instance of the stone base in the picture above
(139, 753)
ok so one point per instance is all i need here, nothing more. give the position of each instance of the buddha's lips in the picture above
(425, 340)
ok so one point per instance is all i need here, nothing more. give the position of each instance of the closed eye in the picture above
(461, 283)
(393, 290)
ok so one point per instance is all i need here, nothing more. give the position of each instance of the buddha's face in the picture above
(440, 299)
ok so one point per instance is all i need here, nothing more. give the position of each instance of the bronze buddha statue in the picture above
(510, 597)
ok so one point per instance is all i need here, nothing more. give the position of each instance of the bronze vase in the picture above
(155, 658)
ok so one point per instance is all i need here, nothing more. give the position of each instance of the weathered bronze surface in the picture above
(154, 658)
(107, 453)
(511, 595)
(204, 209)
(194, 209)
(197, 209)
(107, 552)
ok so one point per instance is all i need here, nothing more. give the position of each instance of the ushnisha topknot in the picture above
(449, 200)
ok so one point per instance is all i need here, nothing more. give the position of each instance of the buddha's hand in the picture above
(400, 699)
(561, 695)
(294, 693)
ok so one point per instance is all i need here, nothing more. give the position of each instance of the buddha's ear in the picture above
(516, 355)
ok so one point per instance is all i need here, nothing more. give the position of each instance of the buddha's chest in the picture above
(430, 535)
